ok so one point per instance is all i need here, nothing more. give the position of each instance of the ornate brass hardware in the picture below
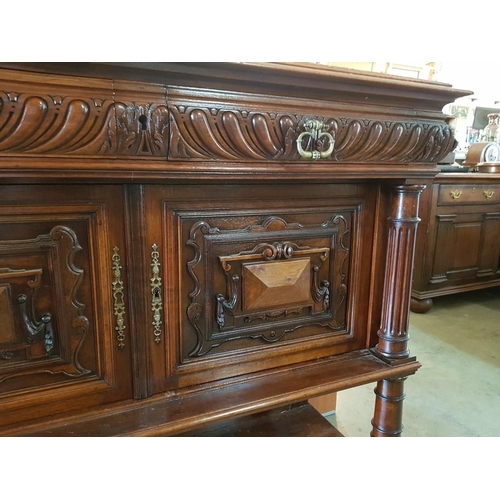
(118, 295)
(488, 194)
(455, 194)
(156, 300)
(315, 130)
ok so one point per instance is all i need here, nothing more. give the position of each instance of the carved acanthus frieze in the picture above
(222, 134)
(39, 123)
(230, 134)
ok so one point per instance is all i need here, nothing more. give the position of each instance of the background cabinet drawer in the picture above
(461, 194)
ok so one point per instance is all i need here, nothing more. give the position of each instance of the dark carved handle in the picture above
(227, 305)
(36, 329)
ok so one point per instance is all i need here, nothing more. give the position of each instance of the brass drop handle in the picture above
(455, 194)
(316, 130)
(489, 194)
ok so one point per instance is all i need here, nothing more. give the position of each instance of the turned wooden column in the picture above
(393, 333)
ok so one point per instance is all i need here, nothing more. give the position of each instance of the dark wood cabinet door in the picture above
(256, 277)
(467, 247)
(62, 268)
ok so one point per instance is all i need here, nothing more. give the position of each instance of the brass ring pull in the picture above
(456, 194)
(316, 130)
(489, 194)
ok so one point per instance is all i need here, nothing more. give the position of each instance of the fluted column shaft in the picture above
(403, 221)
(393, 332)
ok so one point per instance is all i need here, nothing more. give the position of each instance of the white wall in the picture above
(479, 77)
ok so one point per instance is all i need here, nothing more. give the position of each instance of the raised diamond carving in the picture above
(276, 284)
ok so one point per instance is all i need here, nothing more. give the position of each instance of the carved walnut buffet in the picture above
(184, 244)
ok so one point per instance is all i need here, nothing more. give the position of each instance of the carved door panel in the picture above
(59, 276)
(466, 247)
(254, 278)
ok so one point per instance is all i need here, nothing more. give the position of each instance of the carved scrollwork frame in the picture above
(62, 347)
(273, 320)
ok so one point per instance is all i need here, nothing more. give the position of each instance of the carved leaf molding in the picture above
(39, 123)
(221, 134)
(74, 126)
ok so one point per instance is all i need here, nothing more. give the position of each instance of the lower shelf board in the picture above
(215, 403)
(300, 420)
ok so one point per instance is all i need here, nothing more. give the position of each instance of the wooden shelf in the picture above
(181, 413)
(300, 420)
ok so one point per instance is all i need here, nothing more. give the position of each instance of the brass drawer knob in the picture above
(488, 194)
(455, 194)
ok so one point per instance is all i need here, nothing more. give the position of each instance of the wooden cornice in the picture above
(217, 112)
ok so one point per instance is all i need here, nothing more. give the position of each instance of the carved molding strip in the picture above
(277, 250)
(80, 322)
(36, 123)
(222, 134)
(195, 309)
(80, 126)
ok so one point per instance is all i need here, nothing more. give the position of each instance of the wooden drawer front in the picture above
(53, 279)
(467, 194)
(258, 288)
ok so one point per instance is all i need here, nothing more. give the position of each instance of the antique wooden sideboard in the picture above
(186, 247)
(458, 244)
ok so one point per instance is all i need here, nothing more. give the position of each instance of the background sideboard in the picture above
(458, 244)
